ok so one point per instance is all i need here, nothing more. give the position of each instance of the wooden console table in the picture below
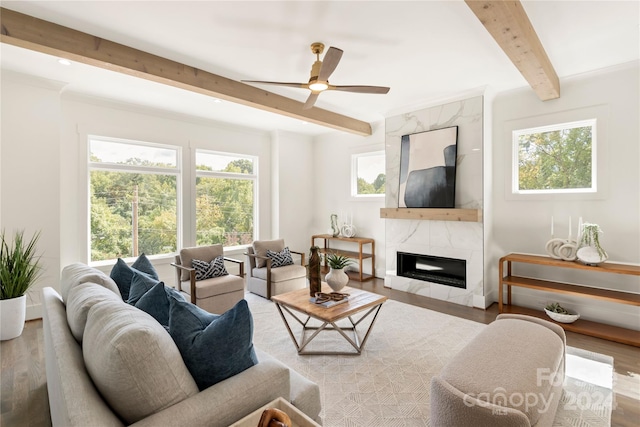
(586, 327)
(359, 255)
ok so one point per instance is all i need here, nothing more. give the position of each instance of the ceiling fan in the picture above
(320, 72)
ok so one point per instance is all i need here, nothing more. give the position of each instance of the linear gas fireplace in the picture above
(445, 271)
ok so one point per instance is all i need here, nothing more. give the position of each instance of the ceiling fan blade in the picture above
(298, 85)
(329, 63)
(361, 89)
(311, 100)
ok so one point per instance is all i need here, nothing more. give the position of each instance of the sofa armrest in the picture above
(228, 401)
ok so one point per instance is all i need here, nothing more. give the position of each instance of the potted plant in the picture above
(336, 277)
(590, 252)
(19, 269)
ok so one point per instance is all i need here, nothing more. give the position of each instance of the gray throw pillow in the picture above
(133, 362)
(213, 347)
(207, 270)
(279, 259)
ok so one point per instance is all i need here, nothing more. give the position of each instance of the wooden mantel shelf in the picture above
(439, 214)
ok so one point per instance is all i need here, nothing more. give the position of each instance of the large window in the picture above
(555, 159)
(368, 174)
(133, 198)
(225, 198)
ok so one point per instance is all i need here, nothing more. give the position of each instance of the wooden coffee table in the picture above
(297, 304)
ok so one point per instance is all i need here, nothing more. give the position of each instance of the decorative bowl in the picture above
(562, 318)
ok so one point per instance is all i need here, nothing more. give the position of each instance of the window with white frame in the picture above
(134, 196)
(368, 175)
(226, 189)
(559, 158)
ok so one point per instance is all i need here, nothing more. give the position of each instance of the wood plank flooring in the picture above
(24, 400)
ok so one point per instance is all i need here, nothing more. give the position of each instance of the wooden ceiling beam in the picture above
(509, 25)
(46, 37)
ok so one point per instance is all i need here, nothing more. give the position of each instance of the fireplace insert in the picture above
(435, 269)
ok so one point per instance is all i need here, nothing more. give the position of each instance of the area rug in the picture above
(388, 384)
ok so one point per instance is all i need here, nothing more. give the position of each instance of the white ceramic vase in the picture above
(337, 279)
(12, 316)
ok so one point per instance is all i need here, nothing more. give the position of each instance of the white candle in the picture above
(569, 238)
(579, 234)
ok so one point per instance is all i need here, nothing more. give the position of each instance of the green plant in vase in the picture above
(19, 269)
(336, 277)
(590, 251)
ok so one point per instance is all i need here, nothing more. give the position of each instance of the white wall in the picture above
(30, 169)
(43, 170)
(524, 226)
(332, 189)
(293, 175)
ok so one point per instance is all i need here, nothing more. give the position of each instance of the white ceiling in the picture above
(424, 50)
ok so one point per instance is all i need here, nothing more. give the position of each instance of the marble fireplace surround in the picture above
(450, 239)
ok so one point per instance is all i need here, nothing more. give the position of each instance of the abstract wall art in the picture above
(428, 169)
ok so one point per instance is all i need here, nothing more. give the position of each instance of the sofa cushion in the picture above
(122, 274)
(213, 347)
(207, 270)
(279, 259)
(140, 285)
(260, 248)
(133, 361)
(156, 302)
(81, 298)
(76, 273)
(281, 274)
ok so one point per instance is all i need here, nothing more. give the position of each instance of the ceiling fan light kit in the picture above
(319, 79)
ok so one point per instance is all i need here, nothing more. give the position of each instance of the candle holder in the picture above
(564, 249)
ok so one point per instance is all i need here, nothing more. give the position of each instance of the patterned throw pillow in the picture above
(279, 259)
(207, 270)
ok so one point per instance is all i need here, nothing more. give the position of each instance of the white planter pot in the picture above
(12, 316)
(336, 279)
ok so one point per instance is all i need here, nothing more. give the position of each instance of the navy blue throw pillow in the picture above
(213, 347)
(140, 285)
(122, 274)
(156, 302)
(143, 264)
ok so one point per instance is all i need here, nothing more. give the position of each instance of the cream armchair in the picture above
(215, 295)
(265, 280)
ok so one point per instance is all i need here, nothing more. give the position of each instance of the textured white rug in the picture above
(388, 384)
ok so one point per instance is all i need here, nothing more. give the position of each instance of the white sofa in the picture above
(74, 396)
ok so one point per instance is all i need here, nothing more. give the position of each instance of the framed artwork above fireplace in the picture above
(428, 169)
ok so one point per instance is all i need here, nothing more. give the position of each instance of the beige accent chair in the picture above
(509, 375)
(266, 281)
(215, 295)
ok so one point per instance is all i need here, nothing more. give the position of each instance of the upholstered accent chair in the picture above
(264, 278)
(209, 286)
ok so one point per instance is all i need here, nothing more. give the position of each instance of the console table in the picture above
(359, 255)
(586, 327)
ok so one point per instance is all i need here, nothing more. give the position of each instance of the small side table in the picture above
(298, 418)
(360, 254)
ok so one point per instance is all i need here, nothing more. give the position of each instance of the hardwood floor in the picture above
(24, 399)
